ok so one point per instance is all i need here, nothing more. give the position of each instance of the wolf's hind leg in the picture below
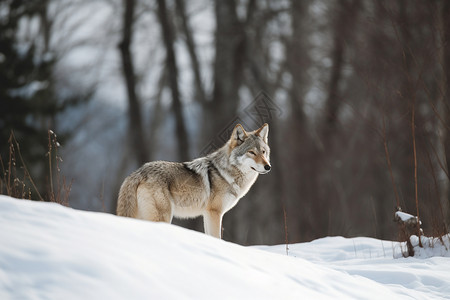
(153, 204)
(213, 223)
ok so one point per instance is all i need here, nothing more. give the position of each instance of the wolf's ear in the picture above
(263, 132)
(238, 136)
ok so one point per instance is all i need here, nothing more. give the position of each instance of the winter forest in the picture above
(355, 93)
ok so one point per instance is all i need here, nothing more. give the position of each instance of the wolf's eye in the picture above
(252, 152)
(264, 151)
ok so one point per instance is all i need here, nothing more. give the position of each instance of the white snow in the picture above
(48, 251)
(404, 216)
(431, 246)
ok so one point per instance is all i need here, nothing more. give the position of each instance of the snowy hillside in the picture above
(52, 252)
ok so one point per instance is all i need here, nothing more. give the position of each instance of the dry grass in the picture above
(16, 180)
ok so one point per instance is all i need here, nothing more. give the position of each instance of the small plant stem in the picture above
(416, 192)
(49, 153)
(286, 230)
(25, 167)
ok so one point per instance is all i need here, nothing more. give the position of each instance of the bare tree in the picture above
(298, 61)
(191, 47)
(445, 127)
(342, 26)
(228, 67)
(134, 109)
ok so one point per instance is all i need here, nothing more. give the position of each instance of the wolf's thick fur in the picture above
(208, 186)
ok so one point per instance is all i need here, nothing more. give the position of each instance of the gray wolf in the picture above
(207, 186)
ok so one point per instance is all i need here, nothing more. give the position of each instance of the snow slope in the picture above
(48, 251)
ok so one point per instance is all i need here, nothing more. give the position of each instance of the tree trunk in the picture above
(228, 68)
(134, 110)
(172, 73)
(297, 61)
(297, 138)
(168, 37)
(406, 100)
(190, 44)
(346, 16)
(445, 133)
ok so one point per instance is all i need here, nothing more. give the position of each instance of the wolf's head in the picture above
(250, 150)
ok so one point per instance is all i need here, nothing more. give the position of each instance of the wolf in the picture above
(207, 186)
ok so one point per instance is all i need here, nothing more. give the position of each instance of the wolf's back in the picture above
(127, 202)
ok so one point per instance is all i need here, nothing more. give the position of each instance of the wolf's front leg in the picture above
(213, 223)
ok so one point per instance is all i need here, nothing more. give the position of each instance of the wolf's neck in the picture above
(231, 172)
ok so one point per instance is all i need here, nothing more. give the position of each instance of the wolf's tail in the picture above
(127, 202)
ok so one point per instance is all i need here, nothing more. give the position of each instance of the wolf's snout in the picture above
(267, 167)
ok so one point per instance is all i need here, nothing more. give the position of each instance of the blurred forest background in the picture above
(355, 92)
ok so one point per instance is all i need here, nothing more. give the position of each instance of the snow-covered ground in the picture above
(48, 251)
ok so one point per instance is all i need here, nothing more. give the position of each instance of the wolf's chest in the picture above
(237, 191)
(246, 184)
(228, 202)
